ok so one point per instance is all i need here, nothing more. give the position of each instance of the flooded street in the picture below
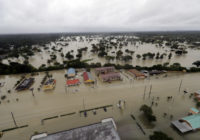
(31, 110)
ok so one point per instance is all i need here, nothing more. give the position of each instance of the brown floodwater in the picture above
(185, 60)
(31, 110)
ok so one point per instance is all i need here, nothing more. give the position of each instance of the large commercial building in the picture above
(105, 130)
(104, 70)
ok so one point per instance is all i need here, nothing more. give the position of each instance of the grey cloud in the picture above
(27, 16)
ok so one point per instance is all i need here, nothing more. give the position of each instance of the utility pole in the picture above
(65, 89)
(83, 103)
(150, 91)
(180, 85)
(13, 119)
(32, 91)
(144, 92)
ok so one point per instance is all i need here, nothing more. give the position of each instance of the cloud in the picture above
(27, 16)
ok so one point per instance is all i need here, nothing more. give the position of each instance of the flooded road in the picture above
(31, 110)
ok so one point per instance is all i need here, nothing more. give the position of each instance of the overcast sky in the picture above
(32, 16)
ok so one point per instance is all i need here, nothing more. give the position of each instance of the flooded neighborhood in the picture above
(52, 101)
(99, 70)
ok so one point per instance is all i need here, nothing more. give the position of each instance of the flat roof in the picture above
(98, 131)
(182, 126)
(193, 120)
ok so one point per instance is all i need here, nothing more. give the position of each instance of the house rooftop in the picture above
(98, 131)
(194, 110)
(71, 71)
(193, 120)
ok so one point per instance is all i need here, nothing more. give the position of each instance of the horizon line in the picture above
(99, 32)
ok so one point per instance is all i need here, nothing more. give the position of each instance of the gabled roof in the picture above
(193, 120)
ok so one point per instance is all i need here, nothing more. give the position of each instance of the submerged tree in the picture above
(158, 135)
(196, 63)
(148, 113)
(170, 56)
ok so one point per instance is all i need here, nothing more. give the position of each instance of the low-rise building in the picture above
(104, 70)
(193, 111)
(73, 82)
(110, 77)
(50, 84)
(71, 72)
(25, 84)
(136, 74)
(87, 77)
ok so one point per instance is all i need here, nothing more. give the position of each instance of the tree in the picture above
(69, 56)
(196, 63)
(138, 56)
(119, 53)
(170, 56)
(166, 64)
(148, 113)
(158, 135)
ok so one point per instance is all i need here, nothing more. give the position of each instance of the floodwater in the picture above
(185, 60)
(31, 110)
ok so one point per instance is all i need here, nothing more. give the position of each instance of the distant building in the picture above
(193, 111)
(87, 77)
(137, 74)
(25, 84)
(105, 130)
(73, 82)
(110, 77)
(50, 84)
(71, 72)
(189, 123)
(156, 72)
(104, 70)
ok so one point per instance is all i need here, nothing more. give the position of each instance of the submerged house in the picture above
(137, 74)
(189, 123)
(71, 72)
(104, 70)
(73, 82)
(25, 84)
(87, 77)
(110, 77)
(50, 84)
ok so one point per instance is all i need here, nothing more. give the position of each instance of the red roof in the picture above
(85, 76)
(73, 82)
(136, 72)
